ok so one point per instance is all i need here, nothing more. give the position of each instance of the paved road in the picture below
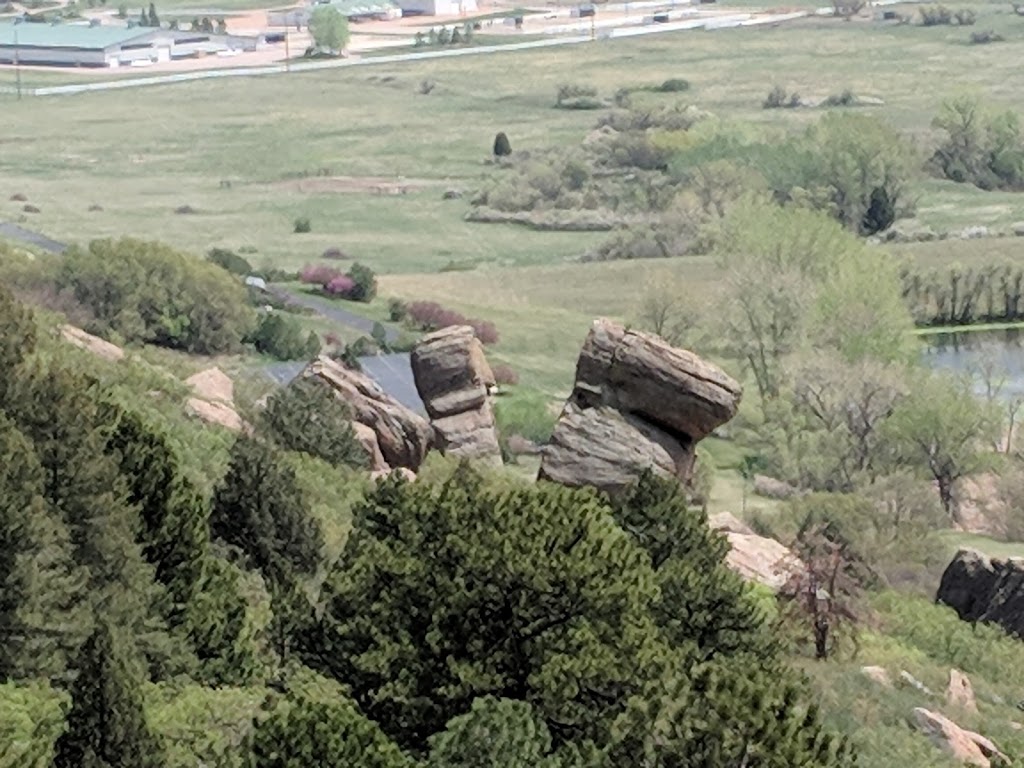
(331, 310)
(22, 235)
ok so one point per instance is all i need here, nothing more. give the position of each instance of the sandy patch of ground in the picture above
(374, 185)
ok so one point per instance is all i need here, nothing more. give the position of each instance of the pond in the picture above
(966, 353)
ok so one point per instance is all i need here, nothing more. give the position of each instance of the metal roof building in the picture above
(80, 45)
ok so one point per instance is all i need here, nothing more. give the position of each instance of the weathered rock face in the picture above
(454, 381)
(968, 747)
(637, 403)
(214, 399)
(983, 589)
(403, 437)
(88, 342)
(754, 557)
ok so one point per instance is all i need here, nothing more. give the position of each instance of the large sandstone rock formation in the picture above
(94, 344)
(454, 381)
(968, 747)
(403, 437)
(637, 403)
(982, 589)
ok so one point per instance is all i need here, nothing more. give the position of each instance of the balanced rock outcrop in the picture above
(403, 436)
(637, 403)
(455, 382)
(980, 588)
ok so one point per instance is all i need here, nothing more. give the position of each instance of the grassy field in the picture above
(250, 155)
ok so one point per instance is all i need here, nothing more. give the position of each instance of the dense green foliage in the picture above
(307, 417)
(329, 29)
(282, 337)
(448, 593)
(229, 260)
(148, 292)
(107, 725)
(981, 146)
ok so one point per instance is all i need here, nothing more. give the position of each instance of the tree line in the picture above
(466, 621)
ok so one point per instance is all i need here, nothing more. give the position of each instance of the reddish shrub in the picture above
(505, 374)
(319, 274)
(341, 285)
(485, 331)
(431, 316)
(332, 339)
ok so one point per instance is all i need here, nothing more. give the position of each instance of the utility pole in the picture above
(287, 51)
(17, 68)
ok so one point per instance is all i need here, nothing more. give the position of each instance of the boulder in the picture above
(404, 437)
(454, 381)
(756, 558)
(960, 692)
(213, 384)
(368, 439)
(637, 403)
(982, 589)
(761, 559)
(217, 413)
(968, 747)
(94, 344)
(878, 675)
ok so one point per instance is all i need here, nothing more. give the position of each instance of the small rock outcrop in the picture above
(979, 588)
(403, 437)
(637, 403)
(754, 557)
(214, 400)
(960, 692)
(877, 674)
(968, 747)
(368, 439)
(94, 344)
(454, 381)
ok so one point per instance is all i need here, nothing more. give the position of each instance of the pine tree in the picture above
(444, 593)
(259, 509)
(107, 726)
(59, 411)
(143, 18)
(306, 416)
(495, 733)
(154, 20)
(701, 600)
(41, 618)
(304, 730)
(17, 339)
(502, 146)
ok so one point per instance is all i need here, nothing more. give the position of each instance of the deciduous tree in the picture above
(329, 29)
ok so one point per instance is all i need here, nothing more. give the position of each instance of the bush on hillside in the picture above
(986, 37)
(230, 261)
(148, 292)
(674, 85)
(302, 225)
(364, 281)
(777, 98)
(574, 96)
(282, 338)
(431, 316)
(502, 146)
(982, 147)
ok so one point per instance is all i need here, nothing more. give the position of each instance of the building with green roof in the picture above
(81, 45)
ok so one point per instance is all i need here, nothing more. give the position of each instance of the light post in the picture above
(17, 68)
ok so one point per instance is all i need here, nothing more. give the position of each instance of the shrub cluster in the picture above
(940, 15)
(982, 147)
(572, 96)
(358, 284)
(305, 416)
(985, 37)
(957, 295)
(777, 98)
(282, 338)
(431, 316)
(229, 260)
(148, 292)
(505, 375)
